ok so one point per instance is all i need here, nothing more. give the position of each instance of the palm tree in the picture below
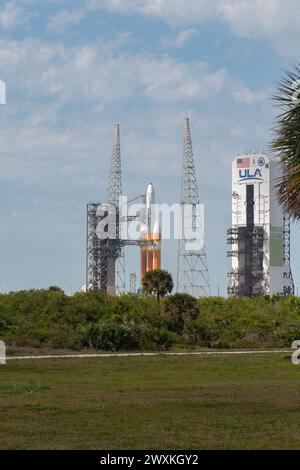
(286, 141)
(158, 282)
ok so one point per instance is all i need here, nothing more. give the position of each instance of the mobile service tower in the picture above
(259, 238)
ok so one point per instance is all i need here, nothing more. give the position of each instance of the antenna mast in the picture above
(114, 192)
(192, 269)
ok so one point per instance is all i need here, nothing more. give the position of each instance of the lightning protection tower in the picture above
(105, 265)
(192, 269)
(114, 192)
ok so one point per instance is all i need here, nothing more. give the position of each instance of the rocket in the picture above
(150, 231)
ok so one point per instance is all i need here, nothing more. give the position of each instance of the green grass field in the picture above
(227, 402)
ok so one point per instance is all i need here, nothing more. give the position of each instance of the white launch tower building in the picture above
(260, 232)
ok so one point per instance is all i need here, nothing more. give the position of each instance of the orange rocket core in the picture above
(150, 255)
(157, 252)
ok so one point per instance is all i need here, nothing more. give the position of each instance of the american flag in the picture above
(243, 162)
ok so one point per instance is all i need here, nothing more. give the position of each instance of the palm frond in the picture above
(286, 143)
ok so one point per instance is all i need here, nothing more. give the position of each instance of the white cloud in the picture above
(11, 15)
(172, 11)
(95, 74)
(165, 80)
(181, 38)
(65, 18)
(276, 20)
(59, 96)
(185, 36)
(63, 100)
(243, 94)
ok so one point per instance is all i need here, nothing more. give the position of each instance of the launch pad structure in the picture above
(105, 257)
(105, 260)
(259, 237)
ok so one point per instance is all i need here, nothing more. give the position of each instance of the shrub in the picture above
(50, 318)
(180, 308)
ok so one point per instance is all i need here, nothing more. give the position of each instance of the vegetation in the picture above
(287, 141)
(224, 402)
(51, 319)
(181, 309)
(158, 282)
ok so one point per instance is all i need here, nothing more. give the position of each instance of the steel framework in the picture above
(105, 261)
(192, 269)
(114, 192)
(93, 263)
(101, 254)
(249, 281)
(290, 290)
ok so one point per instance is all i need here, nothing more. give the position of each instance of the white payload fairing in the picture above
(150, 231)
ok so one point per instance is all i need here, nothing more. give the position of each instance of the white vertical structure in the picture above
(258, 236)
(150, 231)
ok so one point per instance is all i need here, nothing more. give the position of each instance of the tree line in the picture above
(93, 320)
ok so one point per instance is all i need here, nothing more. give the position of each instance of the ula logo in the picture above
(248, 175)
(2, 92)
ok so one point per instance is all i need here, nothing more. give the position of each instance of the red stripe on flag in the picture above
(243, 162)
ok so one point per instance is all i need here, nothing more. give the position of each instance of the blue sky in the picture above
(74, 68)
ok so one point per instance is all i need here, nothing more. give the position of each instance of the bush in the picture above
(112, 336)
(38, 318)
(180, 309)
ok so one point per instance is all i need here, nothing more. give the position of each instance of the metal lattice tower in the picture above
(287, 252)
(290, 290)
(114, 192)
(192, 270)
(93, 263)
(105, 266)
(97, 252)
